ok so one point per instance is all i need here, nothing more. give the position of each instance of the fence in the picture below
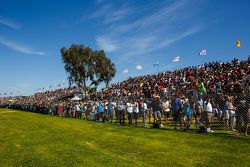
(217, 113)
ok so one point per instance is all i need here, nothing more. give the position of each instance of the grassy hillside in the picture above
(29, 139)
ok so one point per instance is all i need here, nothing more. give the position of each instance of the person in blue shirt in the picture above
(200, 106)
(99, 111)
(176, 108)
(187, 113)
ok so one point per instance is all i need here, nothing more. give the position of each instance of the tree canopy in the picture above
(83, 64)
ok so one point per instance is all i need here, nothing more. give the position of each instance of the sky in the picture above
(131, 32)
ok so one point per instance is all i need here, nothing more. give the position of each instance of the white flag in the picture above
(138, 67)
(176, 59)
(125, 71)
(203, 52)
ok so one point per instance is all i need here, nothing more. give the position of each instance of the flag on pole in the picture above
(237, 43)
(203, 52)
(156, 64)
(176, 59)
(125, 71)
(139, 67)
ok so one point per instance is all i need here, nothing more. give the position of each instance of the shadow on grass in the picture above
(217, 133)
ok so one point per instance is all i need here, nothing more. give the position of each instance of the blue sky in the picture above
(130, 32)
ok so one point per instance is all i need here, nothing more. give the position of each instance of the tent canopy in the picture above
(76, 98)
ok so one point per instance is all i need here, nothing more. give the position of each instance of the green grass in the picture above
(29, 139)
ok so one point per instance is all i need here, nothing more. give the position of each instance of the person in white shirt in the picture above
(231, 111)
(208, 112)
(130, 108)
(121, 109)
(166, 109)
(77, 109)
(144, 109)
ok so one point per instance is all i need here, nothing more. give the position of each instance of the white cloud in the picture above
(140, 31)
(164, 16)
(177, 37)
(164, 25)
(20, 48)
(106, 44)
(10, 23)
(109, 14)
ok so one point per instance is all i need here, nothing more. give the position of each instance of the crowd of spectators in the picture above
(193, 95)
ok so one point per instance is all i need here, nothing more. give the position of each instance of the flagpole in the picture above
(158, 66)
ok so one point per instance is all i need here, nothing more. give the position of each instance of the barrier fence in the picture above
(218, 113)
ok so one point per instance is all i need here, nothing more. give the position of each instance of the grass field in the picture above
(29, 139)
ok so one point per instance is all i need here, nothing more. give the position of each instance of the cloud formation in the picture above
(9, 23)
(138, 34)
(20, 48)
(106, 44)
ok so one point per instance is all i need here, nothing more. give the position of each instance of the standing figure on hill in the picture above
(157, 107)
(121, 110)
(87, 111)
(225, 112)
(208, 113)
(242, 103)
(130, 107)
(77, 109)
(144, 109)
(80, 110)
(176, 108)
(187, 113)
(166, 109)
(100, 111)
(136, 112)
(60, 109)
(110, 107)
(231, 111)
(199, 106)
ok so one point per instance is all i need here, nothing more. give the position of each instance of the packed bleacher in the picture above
(208, 94)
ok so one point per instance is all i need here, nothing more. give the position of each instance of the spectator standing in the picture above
(100, 111)
(157, 107)
(121, 109)
(130, 107)
(231, 111)
(110, 107)
(166, 109)
(208, 112)
(176, 108)
(136, 112)
(144, 109)
(225, 112)
(187, 113)
(242, 103)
